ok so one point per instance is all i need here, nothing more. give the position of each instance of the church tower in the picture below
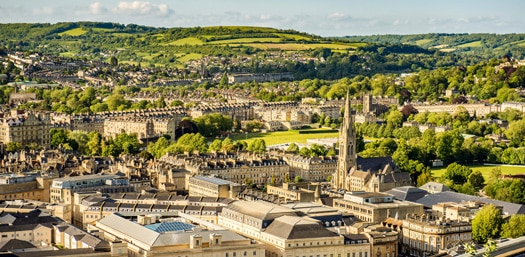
(347, 147)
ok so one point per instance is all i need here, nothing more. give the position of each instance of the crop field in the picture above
(282, 137)
(485, 170)
(74, 32)
(187, 41)
(471, 44)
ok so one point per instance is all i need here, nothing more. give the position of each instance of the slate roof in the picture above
(14, 244)
(374, 163)
(292, 227)
(434, 186)
(450, 196)
(407, 193)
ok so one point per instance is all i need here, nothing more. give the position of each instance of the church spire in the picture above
(347, 144)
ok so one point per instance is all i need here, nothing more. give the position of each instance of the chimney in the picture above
(195, 241)
(215, 239)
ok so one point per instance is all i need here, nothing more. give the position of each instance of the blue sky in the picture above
(325, 18)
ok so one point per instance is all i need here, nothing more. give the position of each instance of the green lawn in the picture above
(485, 170)
(281, 137)
(74, 32)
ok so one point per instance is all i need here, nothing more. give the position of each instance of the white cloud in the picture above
(142, 8)
(44, 11)
(337, 16)
(96, 8)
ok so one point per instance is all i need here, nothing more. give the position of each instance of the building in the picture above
(25, 128)
(212, 187)
(286, 232)
(312, 168)
(295, 192)
(375, 207)
(33, 226)
(29, 186)
(177, 238)
(355, 173)
(61, 187)
(425, 235)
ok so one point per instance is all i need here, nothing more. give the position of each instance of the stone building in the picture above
(28, 186)
(312, 168)
(177, 238)
(426, 235)
(355, 173)
(375, 207)
(212, 187)
(25, 128)
(286, 232)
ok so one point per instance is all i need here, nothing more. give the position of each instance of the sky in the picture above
(324, 18)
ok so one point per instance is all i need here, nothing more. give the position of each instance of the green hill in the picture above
(485, 45)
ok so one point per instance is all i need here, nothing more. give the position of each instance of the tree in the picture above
(216, 145)
(487, 224)
(13, 146)
(293, 147)
(258, 145)
(113, 61)
(457, 173)
(394, 118)
(476, 180)
(514, 227)
(58, 137)
(191, 142)
(516, 133)
(298, 179)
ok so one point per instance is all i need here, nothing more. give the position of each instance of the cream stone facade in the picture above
(285, 233)
(312, 168)
(375, 207)
(212, 187)
(426, 235)
(191, 241)
(29, 186)
(25, 128)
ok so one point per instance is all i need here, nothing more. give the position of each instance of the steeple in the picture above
(347, 143)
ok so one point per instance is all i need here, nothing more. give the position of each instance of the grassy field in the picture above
(281, 137)
(187, 41)
(485, 170)
(246, 40)
(292, 36)
(423, 41)
(297, 46)
(68, 54)
(189, 57)
(471, 44)
(74, 32)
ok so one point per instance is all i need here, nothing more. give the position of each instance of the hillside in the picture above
(484, 45)
(253, 49)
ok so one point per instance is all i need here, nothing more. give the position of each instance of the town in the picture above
(108, 159)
